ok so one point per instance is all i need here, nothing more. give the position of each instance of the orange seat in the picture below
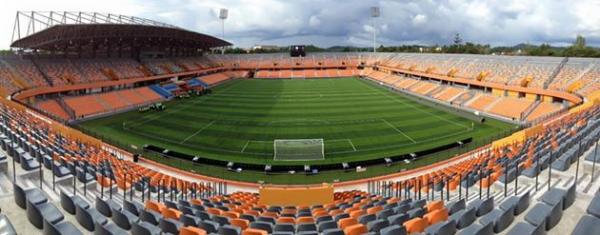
(436, 216)
(345, 222)
(357, 229)
(189, 230)
(155, 206)
(196, 202)
(286, 220)
(171, 213)
(416, 225)
(374, 210)
(305, 220)
(253, 231)
(231, 214)
(358, 213)
(241, 223)
(213, 211)
(435, 205)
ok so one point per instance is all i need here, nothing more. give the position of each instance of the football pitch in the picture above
(355, 118)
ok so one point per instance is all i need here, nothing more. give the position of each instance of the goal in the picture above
(298, 150)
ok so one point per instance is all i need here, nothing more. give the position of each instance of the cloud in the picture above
(348, 22)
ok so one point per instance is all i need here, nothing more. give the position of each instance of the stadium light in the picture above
(375, 13)
(223, 14)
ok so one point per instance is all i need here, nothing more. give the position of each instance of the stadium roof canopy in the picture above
(89, 31)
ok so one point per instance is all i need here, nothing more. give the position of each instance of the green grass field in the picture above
(357, 120)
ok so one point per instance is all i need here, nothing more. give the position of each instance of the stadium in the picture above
(116, 124)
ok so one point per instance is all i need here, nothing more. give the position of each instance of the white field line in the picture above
(399, 131)
(173, 111)
(350, 141)
(197, 132)
(246, 145)
(420, 110)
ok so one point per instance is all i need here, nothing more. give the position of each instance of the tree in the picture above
(579, 41)
(457, 39)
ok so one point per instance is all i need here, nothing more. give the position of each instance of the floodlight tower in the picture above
(375, 13)
(223, 13)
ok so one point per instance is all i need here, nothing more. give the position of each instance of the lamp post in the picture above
(223, 14)
(375, 13)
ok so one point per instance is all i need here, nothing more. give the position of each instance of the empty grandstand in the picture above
(152, 132)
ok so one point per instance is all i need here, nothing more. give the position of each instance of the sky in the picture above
(347, 22)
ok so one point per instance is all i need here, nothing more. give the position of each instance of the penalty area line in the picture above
(197, 132)
(398, 130)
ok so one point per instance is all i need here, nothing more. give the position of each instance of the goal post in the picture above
(298, 149)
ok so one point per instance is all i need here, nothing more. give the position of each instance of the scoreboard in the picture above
(297, 51)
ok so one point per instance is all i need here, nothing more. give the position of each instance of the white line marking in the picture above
(414, 107)
(246, 145)
(399, 131)
(197, 132)
(350, 141)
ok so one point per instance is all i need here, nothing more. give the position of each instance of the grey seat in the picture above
(84, 177)
(384, 214)
(34, 195)
(270, 220)
(89, 216)
(150, 216)
(398, 219)
(417, 212)
(482, 206)
(190, 220)
(564, 197)
(28, 163)
(124, 218)
(222, 220)
(333, 231)
(442, 228)
(402, 208)
(544, 215)
(561, 164)
(478, 229)
(282, 233)
(522, 228)
(419, 203)
(324, 219)
(308, 233)
(364, 219)
(109, 229)
(229, 230)
(36, 213)
(376, 225)
(327, 225)
(586, 224)
(69, 202)
(307, 227)
(170, 225)
(105, 206)
(338, 217)
(205, 216)
(262, 225)
(60, 170)
(60, 228)
(455, 206)
(464, 218)
(144, 228)
(500, 219)
(393, 230)
(594, 207)
(209, 226)
(517, 203)
(6, 227)
(133, 207)
(285, 227)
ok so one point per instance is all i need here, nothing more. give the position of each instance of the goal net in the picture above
(299, 150)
